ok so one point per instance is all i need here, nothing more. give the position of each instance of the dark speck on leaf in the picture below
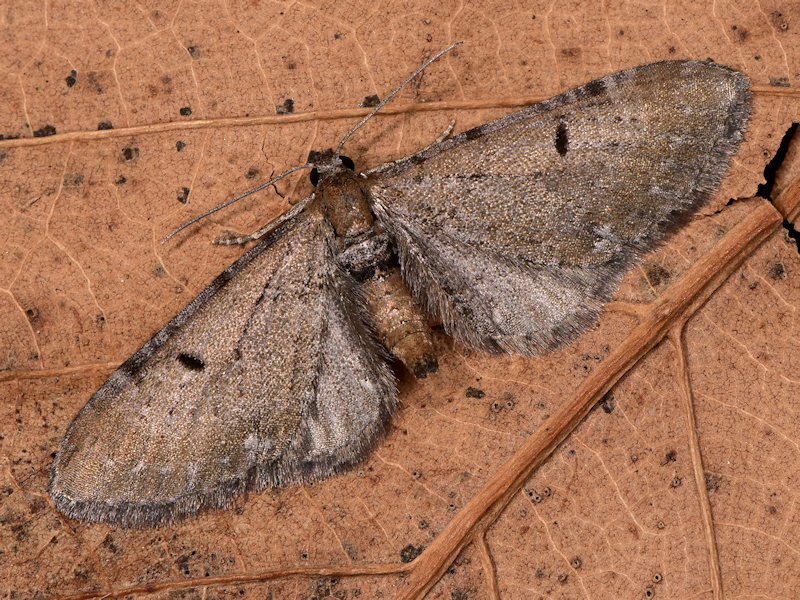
(473, 392)
(372, 100)
(130, 153)
(777, 271)
(186, 111)
(285, 108)
(410, 552)
(104, 125)
(72, 179)
(607, 403)
(779, 82)
(45, 131)
(656, 275)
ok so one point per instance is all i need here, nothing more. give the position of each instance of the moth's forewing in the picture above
(514, 233)
(268, 377)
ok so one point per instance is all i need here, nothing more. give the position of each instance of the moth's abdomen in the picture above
(399, 321)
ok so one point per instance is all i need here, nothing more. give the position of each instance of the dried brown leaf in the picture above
(682, 481)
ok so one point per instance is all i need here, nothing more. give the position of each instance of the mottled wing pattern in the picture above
(514, 233)
(270, 376)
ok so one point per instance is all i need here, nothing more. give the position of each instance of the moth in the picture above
(512, 235)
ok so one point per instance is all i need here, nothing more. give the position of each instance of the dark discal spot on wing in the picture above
(191, 361)
(562, 140)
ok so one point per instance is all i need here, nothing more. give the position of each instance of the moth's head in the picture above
(327, 163)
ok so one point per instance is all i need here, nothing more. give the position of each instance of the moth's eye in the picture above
(348, 163)
(314, 176)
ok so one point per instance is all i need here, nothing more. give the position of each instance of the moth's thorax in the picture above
(344, 202)
(366, 251)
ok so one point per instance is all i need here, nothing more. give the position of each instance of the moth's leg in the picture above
(444, 135)
(229, 239)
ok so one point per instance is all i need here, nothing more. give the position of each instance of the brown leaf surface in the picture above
(502, 476)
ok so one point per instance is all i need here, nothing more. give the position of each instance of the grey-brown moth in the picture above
(511, 234)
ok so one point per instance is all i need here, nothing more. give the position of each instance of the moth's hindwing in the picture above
(270, 376)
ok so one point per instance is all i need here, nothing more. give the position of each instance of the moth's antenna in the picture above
(309, 165)
(394, 92)
(236, 199)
